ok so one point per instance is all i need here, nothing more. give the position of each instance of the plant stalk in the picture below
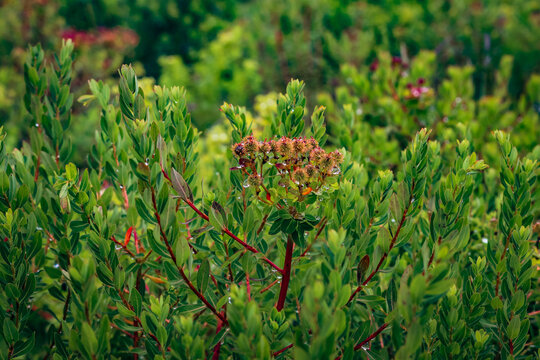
(286, 274)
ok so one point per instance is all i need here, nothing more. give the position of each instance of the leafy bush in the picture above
(284, 249)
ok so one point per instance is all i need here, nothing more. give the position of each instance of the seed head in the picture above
(251, 146)
(264, 147)
(285, 147)
(299, 146)
(316, 155)
(300, 176)
(254, 180)
(238, 150)
(274, 146)
(311, 171)
(337, 157)
(326, 164)
(311, 144)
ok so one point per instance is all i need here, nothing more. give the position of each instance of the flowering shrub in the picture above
(298, 251)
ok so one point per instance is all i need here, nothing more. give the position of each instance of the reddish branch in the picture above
(370, 337)
(269, 286)
(286, 274)
(123, 246)
(217, 348)
(180, 270)
(322, 225)
(366, 340)
(225, 229)
(392, 243)
(283, 350)
(439, 240)
(234, 237)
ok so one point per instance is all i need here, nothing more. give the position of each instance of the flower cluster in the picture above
(415, 91)
(117, 38)
(301, 164)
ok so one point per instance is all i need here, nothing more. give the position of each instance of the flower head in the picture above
(239, 150)
(316, 155)
(327, 163)
(264, 147)
(311, 144)
(300, 176)
(299, 146)
(285, 147)
(311, 171)
(337, 157)
(254, 180)
(251, 146)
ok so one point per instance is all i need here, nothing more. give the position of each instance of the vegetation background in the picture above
(234, 50)
(375, 74)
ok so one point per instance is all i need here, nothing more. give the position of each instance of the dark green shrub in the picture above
(286, 250)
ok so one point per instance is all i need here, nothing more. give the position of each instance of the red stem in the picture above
(282, 350)
(38, 161)
(286, 274)
(123, 246)
(432, 255)
(180, 270)
(234, 237)
(321, 228)
(385, 255)
(217, 348)
(269, 286)
(369, 338)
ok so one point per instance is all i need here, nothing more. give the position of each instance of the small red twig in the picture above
(385, 255)
(366, 340)
(123, 246)
(217, 348)
(269, 286)
(180, 270)
(234, 237)
(322, 225)
(283, 350)
(372, 336)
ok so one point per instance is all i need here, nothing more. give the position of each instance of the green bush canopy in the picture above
(395, 220)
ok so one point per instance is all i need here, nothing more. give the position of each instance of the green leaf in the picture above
(414, 338)
(182, 251)
(135, 299)
(216, 216)
(361, 269)
(78, 225)
(180, 185)
(24, 347)
(203, 275)
(10, 331)
(71, 172)
(513, 327)
(418, 287)
(88, 339)
(143, 211)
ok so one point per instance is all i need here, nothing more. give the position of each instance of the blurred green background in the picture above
(226, 50)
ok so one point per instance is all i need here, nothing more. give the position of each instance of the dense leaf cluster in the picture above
(139, 255)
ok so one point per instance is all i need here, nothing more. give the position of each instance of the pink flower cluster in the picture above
(117, 38)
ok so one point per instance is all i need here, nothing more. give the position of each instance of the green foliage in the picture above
(282, 248)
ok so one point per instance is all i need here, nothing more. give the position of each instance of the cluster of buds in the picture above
(301, 164)
(415, 91)
(117, 38)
